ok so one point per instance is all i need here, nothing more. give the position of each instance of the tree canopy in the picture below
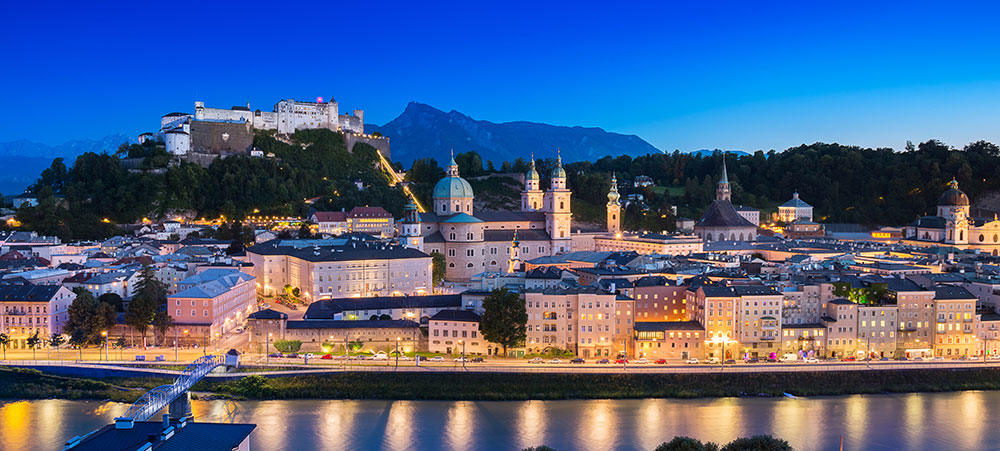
(504, 319)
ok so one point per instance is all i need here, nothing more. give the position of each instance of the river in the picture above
(926, 421)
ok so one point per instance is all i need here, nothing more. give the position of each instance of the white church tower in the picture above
(532, 196)
(614, 207)
(558, 218)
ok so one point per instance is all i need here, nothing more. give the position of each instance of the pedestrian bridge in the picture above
(158, 398)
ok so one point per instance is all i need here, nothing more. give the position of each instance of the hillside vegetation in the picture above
(75, 200)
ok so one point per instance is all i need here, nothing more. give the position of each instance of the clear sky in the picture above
(683, 75)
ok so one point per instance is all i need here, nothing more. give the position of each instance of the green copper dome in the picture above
(452, 186)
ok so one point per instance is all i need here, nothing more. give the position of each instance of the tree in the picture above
(161, 323)
(438, 267)
(114, 300)
(4, 343)
(288, 345)
(504, 319)
(687, 444)
(757, 443)
(55, 341)
(150, 295)
(33, 342)
(79, 339)
(88, 317)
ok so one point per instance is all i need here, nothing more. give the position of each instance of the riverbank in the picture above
(31, 384)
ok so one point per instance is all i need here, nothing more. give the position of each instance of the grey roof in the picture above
(268, 314)
(349, 324)
(658, 326)
(354, 249)
(326, 308)
(456, 315)
(544, 272)
(796, 202)
(755, 290)
(718, 291)
(721, 213)
(930, 222)
(192, 435)
(21, 293)
(947, 292)
(841, 302)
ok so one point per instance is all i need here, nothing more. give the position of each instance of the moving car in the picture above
(660, 361)
(327, 357)
(460, 359)
(293, 355)
(812, 360)
(642, 361)
(849, 359)
(730, 362)
(536, 360)
(380, 356)
(712, 361)
(436, 359)
(603, 361)
(752, 360)
(577, 360)
(691, 361)
(554, 361)
(478, 360)
(621, 361)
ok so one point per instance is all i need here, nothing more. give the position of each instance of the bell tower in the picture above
(723, 192)
(532, 196)
(614, 207)
(558, 217)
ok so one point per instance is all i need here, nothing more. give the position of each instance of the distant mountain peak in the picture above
(423, 130)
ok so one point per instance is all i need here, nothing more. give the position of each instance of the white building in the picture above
(795, 209)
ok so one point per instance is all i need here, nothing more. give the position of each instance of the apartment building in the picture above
(955, 312)
(29, 309)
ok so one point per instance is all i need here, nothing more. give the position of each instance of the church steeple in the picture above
(514, 263)
(723, 192)
(452, 165)
(614, 207)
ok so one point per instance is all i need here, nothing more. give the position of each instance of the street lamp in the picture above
(397, 352)
(175, 345)
(463, 353)
(104, 334)
(267, 347)
(724, 341)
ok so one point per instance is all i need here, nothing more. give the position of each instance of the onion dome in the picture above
(953, 196)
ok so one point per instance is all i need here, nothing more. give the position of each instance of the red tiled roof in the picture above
(369, 212)
(330, 216)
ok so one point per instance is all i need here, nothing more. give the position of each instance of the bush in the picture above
(758, 443)
(687, 444)
(253, 386)
(288, 345)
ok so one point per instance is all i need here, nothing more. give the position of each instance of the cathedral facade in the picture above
(954, 226)
(475, 242)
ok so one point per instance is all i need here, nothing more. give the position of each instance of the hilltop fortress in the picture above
(214, 132)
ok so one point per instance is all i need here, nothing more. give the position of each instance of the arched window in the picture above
(451, 265)
(741, 237)
(996, 238)
(981, 238)
(470, 265)
(444, 208)
(561, 205)
(961, 235)
(534, 205)
(708, 237)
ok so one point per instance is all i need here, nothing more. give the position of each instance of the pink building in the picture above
(218, 299)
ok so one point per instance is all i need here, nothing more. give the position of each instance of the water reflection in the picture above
(935, 421)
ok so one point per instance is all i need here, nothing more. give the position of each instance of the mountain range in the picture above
(424, 131)
(24, 159)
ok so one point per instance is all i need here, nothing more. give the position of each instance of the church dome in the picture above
(953, 196)
(453, 186)
(559, 172)
(532, 174)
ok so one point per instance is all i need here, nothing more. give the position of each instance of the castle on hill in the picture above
(215, 132)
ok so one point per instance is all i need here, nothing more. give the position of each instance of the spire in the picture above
(725, 175)
(953, 183)
(558, 157)
(452, 165)
(613, 195)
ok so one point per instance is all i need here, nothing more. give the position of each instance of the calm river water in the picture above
(934, 421)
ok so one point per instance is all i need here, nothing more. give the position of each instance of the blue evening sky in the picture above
(683, 75)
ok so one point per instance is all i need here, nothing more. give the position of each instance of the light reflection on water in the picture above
(933, 421)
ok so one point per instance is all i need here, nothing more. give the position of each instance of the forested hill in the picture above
(844, 183)
(74, 200)
(422, 130)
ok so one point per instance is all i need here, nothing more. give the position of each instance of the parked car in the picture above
(730, 362)
(660, 361)
(309, 355)
(712, 361)
(554, 361)
(902, 359)
(621, 361)
(938, 358)
(536, 360)
(421, 358)
(963, 357)
(812, 360)
(293, 355)
(577, 360)
(403, 357)
(436, 359)
(380, 356)
(691, 361)
(918, 359)
(849, 358)
(642, 361)
(752, 360)
(327, 357)
(478, 360)
(884, 359)
(603, 361)
(460, 359)
(771, 360)
(275, 355)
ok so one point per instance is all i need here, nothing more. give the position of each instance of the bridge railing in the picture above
(158, 398)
